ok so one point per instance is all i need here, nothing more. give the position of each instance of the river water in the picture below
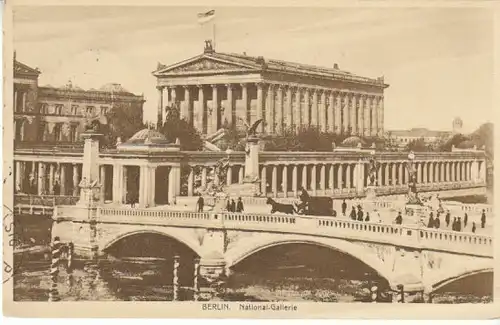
(283, 273)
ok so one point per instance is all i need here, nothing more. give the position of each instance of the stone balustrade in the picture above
(392, 234)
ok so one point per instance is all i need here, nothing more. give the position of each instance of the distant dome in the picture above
(113, 87)
(353, 142)
(467, 144)
(147, 136)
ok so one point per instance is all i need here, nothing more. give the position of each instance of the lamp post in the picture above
(412, 179)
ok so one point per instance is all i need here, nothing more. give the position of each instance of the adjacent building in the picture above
(56, 114)
(401, 138)
(216, 89)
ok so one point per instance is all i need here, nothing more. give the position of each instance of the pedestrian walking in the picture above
(473, 227)
(239, 206)
(459, 224)
(360, 214)
(447, 218)
(454, 224)
(200, 204)
(466, 218)
(437, 223)
(399, 219)
(233, 205)
(483, 219)
(344, 207)
(367, 218)
(228, 205)
(56, 188)
(353, 213)
(430, 224)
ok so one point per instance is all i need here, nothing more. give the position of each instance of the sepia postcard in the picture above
(202, 160)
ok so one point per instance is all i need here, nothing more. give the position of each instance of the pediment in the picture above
(23, 69)
(202, 65)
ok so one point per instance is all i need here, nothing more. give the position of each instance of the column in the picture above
(379, 175)
(18, 175)
(152, 185)
(274, 181)
(284, 180)
(171, 185)
(124, 184)
(338, 112)
(50, 190)
(381, 118)
(393, 174)
(322, 179)
(442, 169)
(348, 176)
(387, 173)
(452, 164)
(241, 174)
(463, 171)
(23, 109)
(419, 172)
(331, 178)
(212, 113)
(228, 111)
(366, 116)
(173, 95)
(360, 176)
(289, 110)
(203, 176)
(313, 179)
(198, 116)
(190, 181)
(63, 179)
(374, 115)
(448, 171)
(244, 99)
(279, 111)
(352, 104)
(322, 112)
(331, 112)
(297, 113)
(304, 177)
(116, 183)
(294, 180)
(186, 108)
(229, 175)
(260, 113)
(468, 173)
(400, 174)
(346, 122)
(102, 179)
(306, 121)
(270, 110)
(15, 100)
(263, 180)
(314, 110)
(360, 109)
(159, 117)
(76, 179)
(339, 176)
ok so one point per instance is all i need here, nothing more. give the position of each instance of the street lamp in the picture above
(412, 182)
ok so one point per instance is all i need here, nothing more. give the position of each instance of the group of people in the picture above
(357, 215)
(232, 206)
(456, 224)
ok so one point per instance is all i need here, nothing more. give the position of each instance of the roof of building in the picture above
(211, 60)
(147, 136)
(25, 70)
(418, 133)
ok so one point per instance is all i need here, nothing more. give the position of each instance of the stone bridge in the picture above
(420, 259)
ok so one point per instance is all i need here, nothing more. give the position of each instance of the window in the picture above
(19, 130)
(74, 109)
(44, 108)
(73, 137)
(19, 101)
(41, 131)
(90, 110)
(58, 109)
(57, 132)
(104, 110)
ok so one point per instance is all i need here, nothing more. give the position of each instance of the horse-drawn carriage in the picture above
(309, 205)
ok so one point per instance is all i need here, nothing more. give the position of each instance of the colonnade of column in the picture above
(282, 106)
(47, 178)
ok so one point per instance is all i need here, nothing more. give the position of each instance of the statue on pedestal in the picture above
(412, 181)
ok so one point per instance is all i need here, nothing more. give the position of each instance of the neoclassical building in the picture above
(215, 88)
(55, 114)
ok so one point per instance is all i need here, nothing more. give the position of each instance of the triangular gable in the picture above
(23, 69)
(202, 64)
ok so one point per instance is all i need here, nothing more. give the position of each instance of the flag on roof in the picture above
(205, 17)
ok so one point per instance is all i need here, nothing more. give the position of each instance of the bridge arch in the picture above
(178, 236)
(459, 276)
(249, 246)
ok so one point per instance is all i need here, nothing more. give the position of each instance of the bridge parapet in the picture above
(403, 236)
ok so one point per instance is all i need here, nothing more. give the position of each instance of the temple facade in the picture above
(217, 89)
(55, 114)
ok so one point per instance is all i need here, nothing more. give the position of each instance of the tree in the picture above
(176, 127)
(123, 121)
(418, 145)
(455, 140)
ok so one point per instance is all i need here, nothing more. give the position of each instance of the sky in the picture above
(437, 61)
